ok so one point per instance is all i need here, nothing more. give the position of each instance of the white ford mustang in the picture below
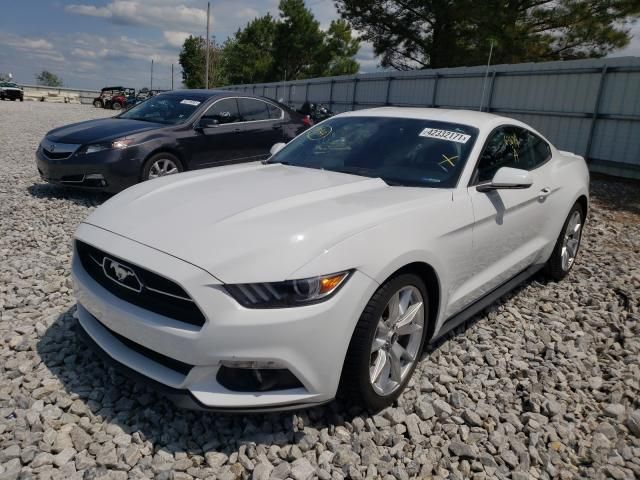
(325, 269)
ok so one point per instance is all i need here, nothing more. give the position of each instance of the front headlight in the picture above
(291, 293)
(99, 147)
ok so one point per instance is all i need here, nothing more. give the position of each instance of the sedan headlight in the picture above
(98, 147)
(291, 293)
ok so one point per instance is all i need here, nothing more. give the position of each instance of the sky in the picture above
(90, 44)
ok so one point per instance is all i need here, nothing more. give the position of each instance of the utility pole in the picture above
(172, 76)
(151, 75)
(206, 62)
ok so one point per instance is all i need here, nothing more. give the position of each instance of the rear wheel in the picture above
(566, 249)
(160, 165)
(387, 343)
(97, 103)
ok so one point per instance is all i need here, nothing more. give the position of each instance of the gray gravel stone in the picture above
(302, 469)
(633, 423)
(461, 450)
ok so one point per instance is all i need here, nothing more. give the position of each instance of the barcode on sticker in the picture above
(445, 135)
(195, 103)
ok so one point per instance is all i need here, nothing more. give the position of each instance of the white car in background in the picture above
(325, 269)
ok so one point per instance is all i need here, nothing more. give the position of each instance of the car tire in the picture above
(160, 165)
(567, 246)
(97, 104)
(116, 105)
(368, 375)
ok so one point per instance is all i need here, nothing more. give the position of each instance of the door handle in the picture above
(544, 192)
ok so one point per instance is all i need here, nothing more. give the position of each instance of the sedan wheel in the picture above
(567, 246)
(386, 343)
(397, 340)
(571, 240)
(162, 167)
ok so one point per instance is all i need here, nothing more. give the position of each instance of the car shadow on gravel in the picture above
(59, 192)
(104, 395)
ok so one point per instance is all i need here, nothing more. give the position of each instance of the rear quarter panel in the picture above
(570, 176)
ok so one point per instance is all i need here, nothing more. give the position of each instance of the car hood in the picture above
(253, 222)
(103, 129)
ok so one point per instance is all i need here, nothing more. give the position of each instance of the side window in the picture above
(224, 111)
(540, 151)
(511, 147)
(275, 113)
(252, 110)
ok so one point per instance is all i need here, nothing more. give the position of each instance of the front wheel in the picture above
(116, 106)
(566, 249)
(387, 343)
(160, 165)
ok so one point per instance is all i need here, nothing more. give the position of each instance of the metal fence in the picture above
(590, 107)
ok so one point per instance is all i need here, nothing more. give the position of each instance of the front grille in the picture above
(171, 363)
(145, 289)
(56, 155)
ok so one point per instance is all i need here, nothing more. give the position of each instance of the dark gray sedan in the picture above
(168, 133)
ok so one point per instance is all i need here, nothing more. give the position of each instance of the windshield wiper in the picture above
(268, 161)
(393, 183)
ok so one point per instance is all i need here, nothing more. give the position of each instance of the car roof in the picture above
(472, 118)
(203, 93)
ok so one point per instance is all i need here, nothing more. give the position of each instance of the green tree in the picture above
(247, 55)
(268, 49)
(48, 79)
(445, 33)
(335, 56)
(298, 40)
(192, 59)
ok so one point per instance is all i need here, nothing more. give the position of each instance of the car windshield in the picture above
(168, 109)
(400, 151)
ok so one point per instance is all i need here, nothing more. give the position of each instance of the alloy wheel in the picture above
(162, 167)
(397, 340)
(571, 240)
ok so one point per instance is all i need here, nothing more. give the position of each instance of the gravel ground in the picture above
(544, 384)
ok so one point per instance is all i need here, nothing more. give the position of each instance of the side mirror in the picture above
(507, 178)
(276, 148)
(207, 123)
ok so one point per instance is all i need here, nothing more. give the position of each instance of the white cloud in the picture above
(634, 44)
(118, 48)
(89, 10)
(175, 39)
(164, 15)
(24, 43)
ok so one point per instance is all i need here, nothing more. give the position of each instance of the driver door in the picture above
(508, 223)
(219, 142)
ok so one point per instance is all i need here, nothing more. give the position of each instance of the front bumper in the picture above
(119, 169)
(311, 341)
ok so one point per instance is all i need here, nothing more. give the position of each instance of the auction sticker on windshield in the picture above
(445, 135)
(195, 103)
(320, 132)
